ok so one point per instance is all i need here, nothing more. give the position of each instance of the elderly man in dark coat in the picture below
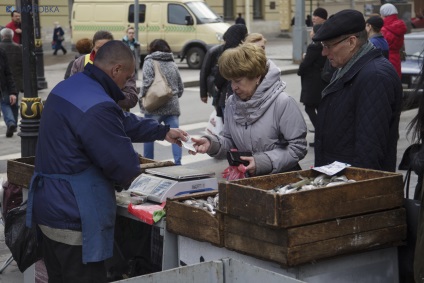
(358, 117)
(14, 56)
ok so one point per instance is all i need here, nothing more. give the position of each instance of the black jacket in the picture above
(209, 70)
(14, 57)
(358, 117)
(310, 73)
(7, 84)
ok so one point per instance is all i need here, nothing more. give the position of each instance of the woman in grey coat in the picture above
(260, 117)
(168, 113)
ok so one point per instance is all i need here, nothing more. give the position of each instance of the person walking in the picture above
(240, 20)
(133, 44)
(373, 26)
(58, 38)
(358, 117)
(393, 31)
(9, 95)
(84, 149)
(310, 70)
(160, 53)
(15, 26)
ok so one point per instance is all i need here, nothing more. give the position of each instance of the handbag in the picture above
(158, 93)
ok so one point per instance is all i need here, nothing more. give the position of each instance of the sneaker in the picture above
(10, 130)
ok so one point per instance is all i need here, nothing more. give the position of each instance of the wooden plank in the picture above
(345, 226)
(346, 244)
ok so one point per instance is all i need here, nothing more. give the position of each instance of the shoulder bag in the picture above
(158, 93)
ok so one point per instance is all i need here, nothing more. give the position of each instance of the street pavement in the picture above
(279, 49)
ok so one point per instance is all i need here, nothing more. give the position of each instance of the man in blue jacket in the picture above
(358, 117)
(84, 148)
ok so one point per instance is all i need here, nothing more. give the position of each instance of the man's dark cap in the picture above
(375, 21)
(343, 22)
(320, 12)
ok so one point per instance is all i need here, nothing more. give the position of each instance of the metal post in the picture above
(136, 21)
(41, 80)
(31, 105)
(299, 32)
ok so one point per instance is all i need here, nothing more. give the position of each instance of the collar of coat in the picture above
(110, 87)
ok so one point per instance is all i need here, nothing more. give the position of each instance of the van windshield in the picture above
(203, 13)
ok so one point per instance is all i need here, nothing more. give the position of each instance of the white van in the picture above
(189, 26)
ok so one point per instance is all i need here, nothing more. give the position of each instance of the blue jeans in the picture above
(10, 112)
(149, 147)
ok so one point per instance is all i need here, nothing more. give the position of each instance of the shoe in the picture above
(10, 130)
(64, 52)
(54, 54)
(311, 144)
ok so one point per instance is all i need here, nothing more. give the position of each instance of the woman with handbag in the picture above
(58, 37)
(260, 118)
(168, 110)
(414, 157)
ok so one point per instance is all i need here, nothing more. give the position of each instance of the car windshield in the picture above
(203, 13)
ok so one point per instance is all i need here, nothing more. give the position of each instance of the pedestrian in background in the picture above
(84, 47)
(84, 149)
(240, 20)
(58, 38)
(161, 53)
(310, 75)
(15, 25)
(9, 95)
(260, 117)
(373, 26)
(358, 116)
(130, 89)
(393, 31)
(133, 44)
(14, 56)
(319, 16)
(256, 38)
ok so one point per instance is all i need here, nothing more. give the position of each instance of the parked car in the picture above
(411, 67)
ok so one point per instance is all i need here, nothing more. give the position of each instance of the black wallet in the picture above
(233, 158)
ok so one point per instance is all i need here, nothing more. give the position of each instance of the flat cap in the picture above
(375, 21)
(343, 22)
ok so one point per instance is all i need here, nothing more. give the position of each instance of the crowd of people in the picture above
(355, 115)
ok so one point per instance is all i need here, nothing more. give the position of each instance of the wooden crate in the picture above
(192, 222)
(293, 246)
(251, 200)
(20, 171)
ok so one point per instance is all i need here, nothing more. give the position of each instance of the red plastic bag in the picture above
(234, 172)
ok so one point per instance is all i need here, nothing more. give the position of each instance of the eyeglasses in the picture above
(329, 46)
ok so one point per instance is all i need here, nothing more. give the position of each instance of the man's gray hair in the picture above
(6, 33)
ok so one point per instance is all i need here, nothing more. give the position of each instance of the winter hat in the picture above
(341, 23)
(376, 21)
(234, 35)
(388, 9)
(320, 12)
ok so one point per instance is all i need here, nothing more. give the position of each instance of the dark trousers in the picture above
(311, 110)
(59, 46)
(64, 264)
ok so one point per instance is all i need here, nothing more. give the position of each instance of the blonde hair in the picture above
(254, 37)
(247, 60)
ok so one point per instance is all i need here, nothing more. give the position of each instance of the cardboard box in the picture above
(251, 200)
(193, 222)
(20, 170)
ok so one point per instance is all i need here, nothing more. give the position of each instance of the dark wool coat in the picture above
(358, 117)
(14, 57)
(7, 84)
(310, 72)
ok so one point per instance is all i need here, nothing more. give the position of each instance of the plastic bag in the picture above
(215, 124)
(21, 240)
(234, 172)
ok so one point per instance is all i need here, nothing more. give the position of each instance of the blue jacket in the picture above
(84, 147)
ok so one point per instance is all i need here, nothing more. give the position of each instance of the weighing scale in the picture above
(158, 184)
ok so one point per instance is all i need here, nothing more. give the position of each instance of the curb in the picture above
(283, 72)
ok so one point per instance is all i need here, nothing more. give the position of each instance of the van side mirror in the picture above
(189, 20)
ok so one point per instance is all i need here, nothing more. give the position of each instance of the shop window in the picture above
(257, 9)
(229, 10)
